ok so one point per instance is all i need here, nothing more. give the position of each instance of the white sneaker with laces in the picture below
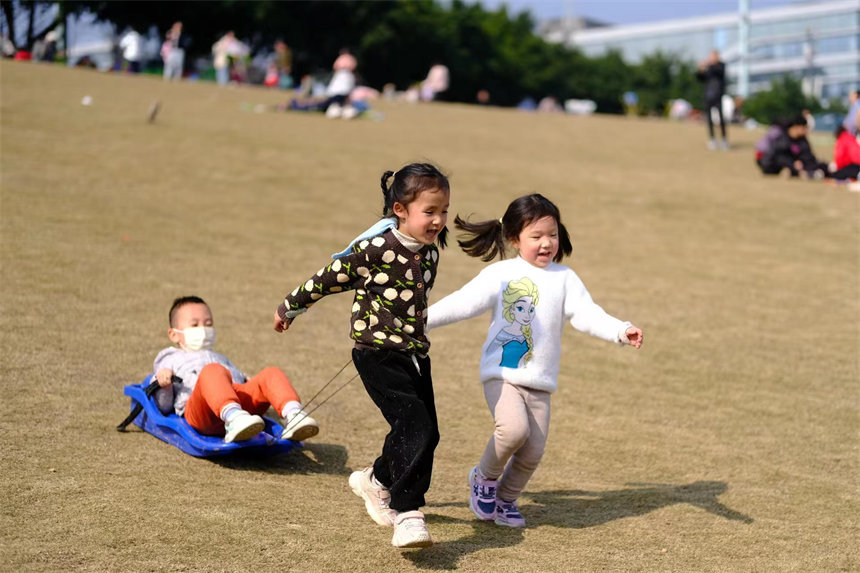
(299, 426)
(410, 530)
(243, 426)
(376, 496)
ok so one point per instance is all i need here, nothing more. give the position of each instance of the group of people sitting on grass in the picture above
(785, 151)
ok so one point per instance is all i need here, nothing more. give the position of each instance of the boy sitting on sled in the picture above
(215, 397)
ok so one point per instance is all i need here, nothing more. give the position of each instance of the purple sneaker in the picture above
(508, 514)
(482, 495)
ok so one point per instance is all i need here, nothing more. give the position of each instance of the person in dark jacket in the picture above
(790, 154)
(712, 72)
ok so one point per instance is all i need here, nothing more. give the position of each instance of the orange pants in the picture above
(215, 389)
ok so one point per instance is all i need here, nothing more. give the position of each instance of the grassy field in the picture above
(729, 443)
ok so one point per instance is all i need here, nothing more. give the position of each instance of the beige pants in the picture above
(522, 422)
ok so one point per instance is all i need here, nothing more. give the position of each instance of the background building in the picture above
(816, 41)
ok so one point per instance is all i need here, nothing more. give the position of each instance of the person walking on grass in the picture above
(391, 267)
(530, 297)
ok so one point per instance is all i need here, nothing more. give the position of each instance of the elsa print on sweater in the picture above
(519, 300)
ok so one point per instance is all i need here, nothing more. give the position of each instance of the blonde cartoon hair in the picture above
(514, 292)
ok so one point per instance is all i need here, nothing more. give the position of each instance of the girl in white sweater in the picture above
(530, 297)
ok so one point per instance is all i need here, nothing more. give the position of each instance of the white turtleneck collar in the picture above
(410, 243)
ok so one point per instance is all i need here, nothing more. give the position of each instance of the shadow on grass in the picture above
(580, 509)
(313, 458)
(576, 509)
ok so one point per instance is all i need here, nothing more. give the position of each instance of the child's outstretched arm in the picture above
(587, 316)
(474, 298)
(340, 275)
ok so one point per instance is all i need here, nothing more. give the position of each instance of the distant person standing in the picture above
(851, 123)
(221, 51)
(173, 53)
(283, 61)
(131, 46)
(712, 72)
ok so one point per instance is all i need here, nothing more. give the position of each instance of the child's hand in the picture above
(164, 377)
(281, 324)
(634, 336)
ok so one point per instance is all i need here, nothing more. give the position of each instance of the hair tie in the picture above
(502, 223)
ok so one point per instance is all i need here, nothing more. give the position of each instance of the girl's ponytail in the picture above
(387, 204)
(565, 248)
(484, 239)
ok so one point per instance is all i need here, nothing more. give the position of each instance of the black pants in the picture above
(848, 172)
(405, 398)
(709, 104)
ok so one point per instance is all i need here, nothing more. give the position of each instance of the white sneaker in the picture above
(410, 530)
(243, 426)
(376, 497)
(300, 427)
(712, 144)
(334, 110)
(349, 112)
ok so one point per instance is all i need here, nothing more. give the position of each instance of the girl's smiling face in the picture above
(538, 242)
(425, 217)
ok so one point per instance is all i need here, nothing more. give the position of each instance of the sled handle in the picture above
(149, 391)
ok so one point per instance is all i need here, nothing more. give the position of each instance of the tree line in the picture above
(396, 41)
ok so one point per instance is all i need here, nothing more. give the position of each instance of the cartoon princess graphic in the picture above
(518, 308)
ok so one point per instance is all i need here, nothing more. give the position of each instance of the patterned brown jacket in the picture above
(391, 284)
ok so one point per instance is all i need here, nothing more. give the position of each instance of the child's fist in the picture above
(634, 336)
(281, 324)
(164, 377)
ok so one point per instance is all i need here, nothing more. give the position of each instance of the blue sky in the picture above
(629, 11)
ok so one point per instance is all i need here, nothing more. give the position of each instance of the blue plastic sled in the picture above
(175, 430)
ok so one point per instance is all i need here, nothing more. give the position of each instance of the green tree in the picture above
(784, 99)
(12, 8)
(603, 79)
(396, 41)
(652, 81)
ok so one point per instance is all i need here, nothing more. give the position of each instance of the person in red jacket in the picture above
(846, 154)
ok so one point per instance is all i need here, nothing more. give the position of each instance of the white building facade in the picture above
(818, 42)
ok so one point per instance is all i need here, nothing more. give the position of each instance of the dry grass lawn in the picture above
(728, 443)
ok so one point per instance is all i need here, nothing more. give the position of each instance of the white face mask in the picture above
(198, 338)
